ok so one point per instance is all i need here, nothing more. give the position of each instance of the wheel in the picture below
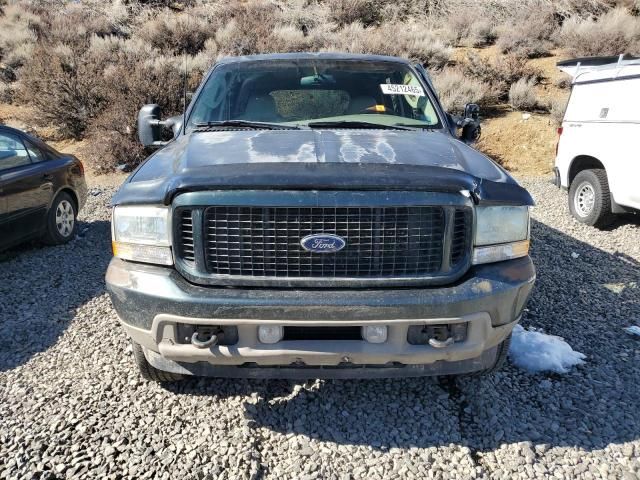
(590, 198)
(61, 220)
(148, 371)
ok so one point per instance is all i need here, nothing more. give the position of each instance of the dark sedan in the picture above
(41, 190)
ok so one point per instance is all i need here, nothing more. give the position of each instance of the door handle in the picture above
(47, 176)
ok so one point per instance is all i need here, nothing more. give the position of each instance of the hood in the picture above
(317, 159)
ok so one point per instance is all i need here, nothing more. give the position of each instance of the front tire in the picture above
(590, 198)
(148, 371)
(61, 220)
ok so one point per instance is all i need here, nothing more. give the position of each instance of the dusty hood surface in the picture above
(314, 159)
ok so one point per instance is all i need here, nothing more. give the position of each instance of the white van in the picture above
(598, 153)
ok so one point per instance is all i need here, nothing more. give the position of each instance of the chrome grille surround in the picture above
(252, 238)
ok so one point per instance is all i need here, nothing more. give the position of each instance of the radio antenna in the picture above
(184, 95)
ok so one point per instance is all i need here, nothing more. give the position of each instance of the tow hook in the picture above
(441, 343)
(196, 342)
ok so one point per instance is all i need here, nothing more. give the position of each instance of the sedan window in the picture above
(34, 152)
(12, 152)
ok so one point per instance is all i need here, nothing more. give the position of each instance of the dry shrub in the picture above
(17, 35)
(177, 33)
(75, 24)
(501, 74)
(404, 40)
(455, 90)
(470, 27)
(366, 12)
(529, 35)
(63, 86)
(248, 28)
(304, 14)
(613, 33)
(288, 38)
(522, 95)
(7, 92)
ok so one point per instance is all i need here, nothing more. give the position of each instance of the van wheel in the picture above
(590, 198)
(148, 371)
(61, 220)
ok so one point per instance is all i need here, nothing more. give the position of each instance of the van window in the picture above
(614, 101)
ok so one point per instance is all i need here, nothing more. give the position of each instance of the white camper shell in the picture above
(598, 155)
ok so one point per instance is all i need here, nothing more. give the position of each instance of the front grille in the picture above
(405, 243)
(381, 242)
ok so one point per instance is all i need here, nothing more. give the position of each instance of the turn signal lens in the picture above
(142, 253)
(498, 253)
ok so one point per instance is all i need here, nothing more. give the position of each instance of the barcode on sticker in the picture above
(394, 89)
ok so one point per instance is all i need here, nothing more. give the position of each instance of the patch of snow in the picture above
(574, 255)
(633, 330)
(538, 352)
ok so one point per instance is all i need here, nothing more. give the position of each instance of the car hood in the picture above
(317, 159)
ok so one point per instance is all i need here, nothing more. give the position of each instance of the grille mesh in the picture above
(185, 227)
(381, 241)
(461, 235)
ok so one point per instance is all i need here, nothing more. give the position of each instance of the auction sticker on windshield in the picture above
(395, 89)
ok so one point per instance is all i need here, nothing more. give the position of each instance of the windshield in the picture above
(305, 91)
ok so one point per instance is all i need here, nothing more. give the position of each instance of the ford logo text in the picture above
(323, 243)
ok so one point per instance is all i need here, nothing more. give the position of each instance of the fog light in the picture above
(270, 333)
(375, 333)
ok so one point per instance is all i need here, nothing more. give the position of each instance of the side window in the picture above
(12, 152)
(35, 153)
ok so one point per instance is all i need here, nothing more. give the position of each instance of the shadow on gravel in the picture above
(41, 286)
(587, 300)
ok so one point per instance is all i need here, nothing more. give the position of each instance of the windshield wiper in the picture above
(244, 123)
(356, 124)
(416, 127)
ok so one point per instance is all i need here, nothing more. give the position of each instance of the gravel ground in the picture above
(72, 404)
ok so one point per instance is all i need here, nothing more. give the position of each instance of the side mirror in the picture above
(150, 126)
(174, 124)
(470, 123)
(472, 111)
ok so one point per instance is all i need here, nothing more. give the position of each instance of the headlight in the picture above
(502, 233)
(142, 234)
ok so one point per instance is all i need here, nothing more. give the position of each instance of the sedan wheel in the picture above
(65, 218)
(61, 220)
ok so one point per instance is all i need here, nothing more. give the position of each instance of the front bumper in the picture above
(151, 301)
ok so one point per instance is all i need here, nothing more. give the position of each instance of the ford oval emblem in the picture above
(323, 243)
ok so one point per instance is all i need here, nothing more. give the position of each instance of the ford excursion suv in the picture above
(318, 216)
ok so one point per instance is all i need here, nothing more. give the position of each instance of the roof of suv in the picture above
(307, 56)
